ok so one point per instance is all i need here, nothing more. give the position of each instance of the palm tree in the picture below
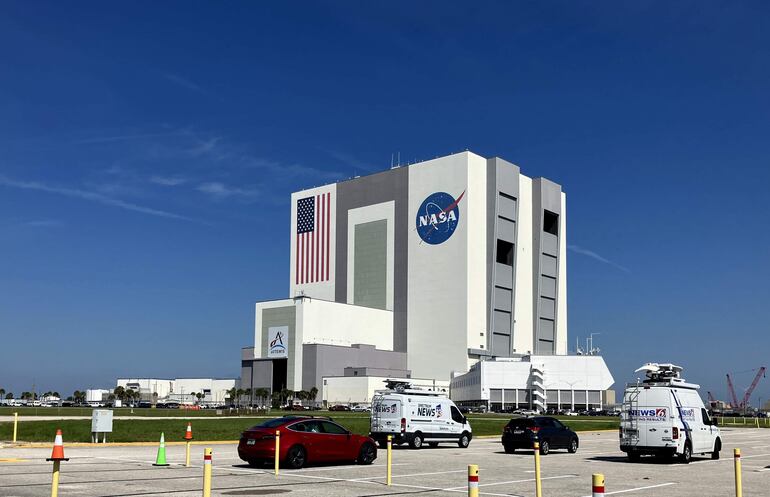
(240, 393)
(200, 396)
(231, 394)
(261, 394)
(9, 396)
(313, 393)
(2, 392)
(120, 393)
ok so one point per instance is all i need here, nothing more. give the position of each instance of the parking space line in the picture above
(326, 478)
(413, 474)
(636, 489)
(516, 481)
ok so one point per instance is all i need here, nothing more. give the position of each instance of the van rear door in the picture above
(386, 414)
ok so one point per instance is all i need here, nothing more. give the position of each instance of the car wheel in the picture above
(433, 444)
(509, 449)
(465, 440)
(573, 446)
(296, 457)
(416, 442)
(717, 448)
(633, 456)
(686, 456)
(545, 447)
(367, 454)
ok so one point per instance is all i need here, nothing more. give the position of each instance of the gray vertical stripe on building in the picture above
(391, 185)
(502, 212)
(370, 264)
(546, 195)
(281, 316)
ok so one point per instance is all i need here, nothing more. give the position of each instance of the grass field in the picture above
(140, 430)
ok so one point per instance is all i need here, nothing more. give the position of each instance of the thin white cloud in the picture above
(127, 137)
(353, 162)
(90, 196)
(597, 257)
(42, 223)
(168, 180)
(204, 147)
(184, 82)
(221, 191)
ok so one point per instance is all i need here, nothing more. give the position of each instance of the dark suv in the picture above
(521, 433)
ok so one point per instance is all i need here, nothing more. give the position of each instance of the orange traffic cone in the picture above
(188, 433)
(58, 449)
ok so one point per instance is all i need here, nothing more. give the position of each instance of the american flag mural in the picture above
(312, 250)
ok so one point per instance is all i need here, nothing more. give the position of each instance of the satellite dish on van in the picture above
(660, 371)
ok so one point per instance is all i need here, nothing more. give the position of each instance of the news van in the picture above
(416, 416)
(665, 416)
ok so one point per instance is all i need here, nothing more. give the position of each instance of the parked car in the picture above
(339, 407)
(521, 433)
(361, 408)
(304, 439)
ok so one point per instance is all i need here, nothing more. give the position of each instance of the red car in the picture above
(304, 439)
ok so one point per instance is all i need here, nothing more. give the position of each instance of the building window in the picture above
(551, 223)
(505, 252)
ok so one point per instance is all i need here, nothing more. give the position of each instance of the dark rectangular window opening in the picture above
(551, 222)
(505, 252)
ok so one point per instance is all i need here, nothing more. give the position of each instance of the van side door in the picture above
(708, 436)
(458, 419)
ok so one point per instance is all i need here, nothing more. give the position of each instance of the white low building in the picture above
(535, 382)
(360, 389)
(182, 390)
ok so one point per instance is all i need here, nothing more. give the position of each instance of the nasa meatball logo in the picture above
(437, 217)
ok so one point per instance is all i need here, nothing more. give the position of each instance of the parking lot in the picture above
(118, 471)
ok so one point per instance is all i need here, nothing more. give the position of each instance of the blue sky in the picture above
(147, 153)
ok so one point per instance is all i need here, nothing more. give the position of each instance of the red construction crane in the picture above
(744, 403)
(731, 391)
(760, 374)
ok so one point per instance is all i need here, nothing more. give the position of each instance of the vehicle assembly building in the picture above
(420, 271)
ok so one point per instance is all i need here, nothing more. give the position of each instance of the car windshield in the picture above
(272, 423)
(520, 423)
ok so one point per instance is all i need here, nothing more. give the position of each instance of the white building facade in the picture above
(437, 265)
(182, 390)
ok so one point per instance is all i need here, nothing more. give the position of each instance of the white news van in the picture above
(416, 416)
(664, 416)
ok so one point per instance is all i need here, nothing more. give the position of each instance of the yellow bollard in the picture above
(187, 455)
(390, 455)
(55, 480)
(538, 488)
(207, 472)
(15, 425)
(738, 483)
(277, 450)
(597, 485)
(473, 480)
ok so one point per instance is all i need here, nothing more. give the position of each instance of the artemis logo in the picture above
(437, 217)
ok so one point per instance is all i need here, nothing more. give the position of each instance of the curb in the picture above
(44, 445)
